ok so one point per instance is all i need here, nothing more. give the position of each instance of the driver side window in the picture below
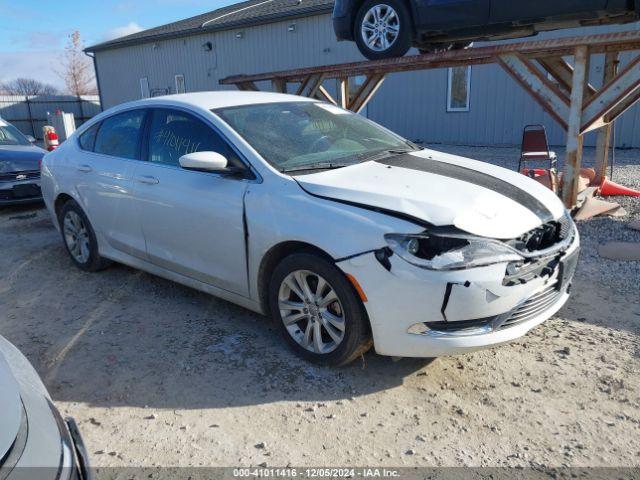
(174, 133)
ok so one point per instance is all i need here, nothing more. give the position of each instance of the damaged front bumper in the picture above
(417, 312)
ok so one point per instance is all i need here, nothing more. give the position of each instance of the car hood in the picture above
(18, 158)
(10, 407)
(442, 190)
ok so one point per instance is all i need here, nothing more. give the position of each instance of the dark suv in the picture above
(388, 28)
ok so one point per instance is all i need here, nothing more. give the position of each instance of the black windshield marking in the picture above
(472, 176)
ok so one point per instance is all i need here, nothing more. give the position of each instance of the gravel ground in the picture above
(160, 375)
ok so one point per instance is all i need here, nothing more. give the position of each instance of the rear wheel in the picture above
(383, 29)
(319, 313)
(79, 238)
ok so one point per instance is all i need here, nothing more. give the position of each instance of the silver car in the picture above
(35, 441)
(347, 234)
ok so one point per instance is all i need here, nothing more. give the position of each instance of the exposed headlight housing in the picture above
(440, 252)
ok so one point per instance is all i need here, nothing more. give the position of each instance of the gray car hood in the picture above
(19, 158)
(442, 190)
(10, 407)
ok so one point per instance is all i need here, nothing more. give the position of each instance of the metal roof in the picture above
(251, 12)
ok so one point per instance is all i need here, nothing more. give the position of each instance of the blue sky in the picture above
(33, 33)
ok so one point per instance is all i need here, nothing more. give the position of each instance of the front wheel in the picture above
(318, 310)
(383, 29)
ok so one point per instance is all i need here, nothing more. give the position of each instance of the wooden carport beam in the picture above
(365, 92)
(533, 80)
(624, 86)
(247, 86)
(323, 94)
(603, 141)
(562, 73)
(344, 92)
(573, 157)
(310, 85)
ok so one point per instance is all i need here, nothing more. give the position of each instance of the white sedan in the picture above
(345, 233)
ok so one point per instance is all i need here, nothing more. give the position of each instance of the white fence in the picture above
(29, 114)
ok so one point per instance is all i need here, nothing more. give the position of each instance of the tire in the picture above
(400, 17)
(337, 347)
(84, 252)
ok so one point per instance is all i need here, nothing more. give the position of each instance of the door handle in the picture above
(147, 180)
(85, 168)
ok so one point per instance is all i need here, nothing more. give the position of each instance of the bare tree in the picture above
(28, 86)
(77, 70)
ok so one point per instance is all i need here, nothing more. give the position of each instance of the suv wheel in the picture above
(383, 29)
(318, 310)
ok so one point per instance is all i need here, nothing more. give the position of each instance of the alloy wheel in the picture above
(76, 237)
(311, 312)
(380, 27)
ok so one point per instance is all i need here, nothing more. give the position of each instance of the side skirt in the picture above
(187, 281)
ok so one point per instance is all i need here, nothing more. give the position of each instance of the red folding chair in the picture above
(535, 147)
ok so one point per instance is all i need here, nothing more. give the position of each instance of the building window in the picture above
(144, 87)
(180, 85)
(459, 89)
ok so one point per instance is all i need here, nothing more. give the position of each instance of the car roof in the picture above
(221, 99)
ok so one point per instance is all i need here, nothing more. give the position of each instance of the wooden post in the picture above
(573, 158)
(344, 92)
(82, 119)
(31, 120)
(604, 134)
(279, 85)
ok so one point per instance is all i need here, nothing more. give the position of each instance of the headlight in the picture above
(436, 252)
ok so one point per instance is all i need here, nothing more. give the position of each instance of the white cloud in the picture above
(40, 65)
(123, 31)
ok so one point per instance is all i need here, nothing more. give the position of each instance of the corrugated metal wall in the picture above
(412, 104)
(29, 114)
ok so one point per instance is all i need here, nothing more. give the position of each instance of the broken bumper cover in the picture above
(416, 312)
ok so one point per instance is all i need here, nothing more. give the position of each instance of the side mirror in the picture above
(204, 162)
(31, 139)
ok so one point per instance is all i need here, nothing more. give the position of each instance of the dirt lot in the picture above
(158, 374)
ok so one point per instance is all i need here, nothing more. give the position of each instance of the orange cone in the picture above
(610, 188)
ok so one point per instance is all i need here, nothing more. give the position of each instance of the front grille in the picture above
(19, 176)
(534, 306)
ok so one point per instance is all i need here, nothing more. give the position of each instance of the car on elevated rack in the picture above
(388, 28)
(35, 441)
(347, 234)
(19, 167)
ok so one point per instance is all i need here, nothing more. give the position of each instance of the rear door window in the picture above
(119, 135)
(88, 138)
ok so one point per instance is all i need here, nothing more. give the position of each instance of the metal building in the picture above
(480, 105)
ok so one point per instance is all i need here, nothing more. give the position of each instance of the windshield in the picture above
(296, 136)
(10, 135)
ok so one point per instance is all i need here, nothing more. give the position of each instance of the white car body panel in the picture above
(10, 406)
(212, 232)
(429, 197)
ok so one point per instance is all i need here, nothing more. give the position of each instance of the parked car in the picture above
(19, 166)
(388, 28)
(344, 232)
(35, 441)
